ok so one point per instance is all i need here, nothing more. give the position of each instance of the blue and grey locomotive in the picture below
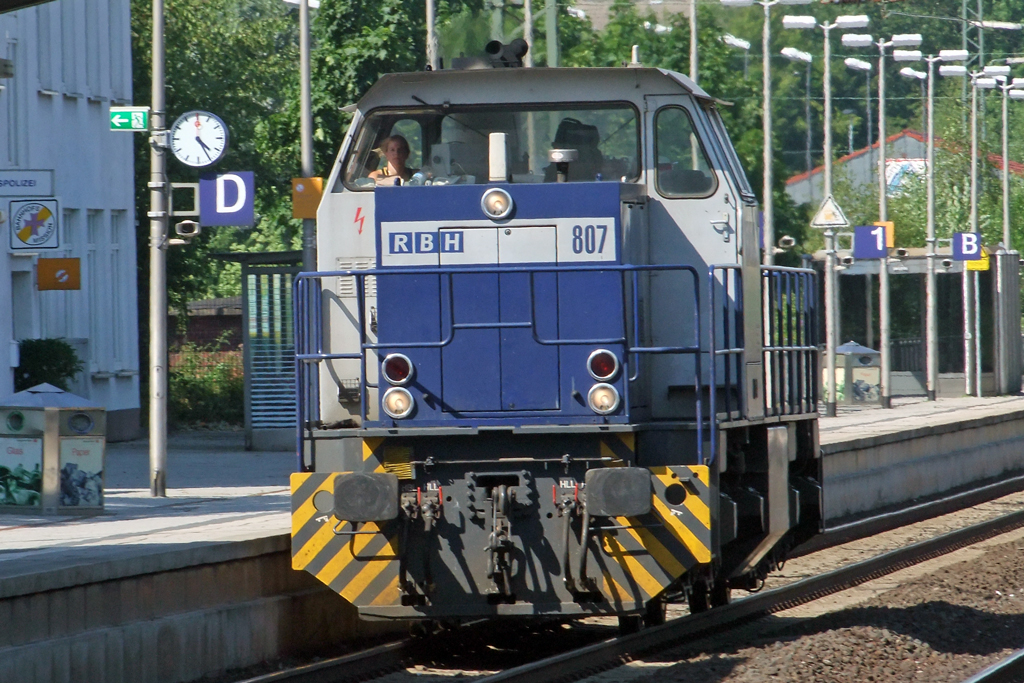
(542, 371)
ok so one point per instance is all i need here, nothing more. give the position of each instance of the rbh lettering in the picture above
(425, 242)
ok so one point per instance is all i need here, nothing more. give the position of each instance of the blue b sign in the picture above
(869, 241)
(227, 199)
(966, 246)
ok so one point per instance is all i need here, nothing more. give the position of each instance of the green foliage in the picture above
(206, 386)
(53, 361)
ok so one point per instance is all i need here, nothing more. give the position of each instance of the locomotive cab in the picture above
(541, 370)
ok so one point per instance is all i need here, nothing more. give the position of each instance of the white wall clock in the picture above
(199, 138)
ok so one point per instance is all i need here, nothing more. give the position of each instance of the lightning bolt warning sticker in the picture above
(359, 218)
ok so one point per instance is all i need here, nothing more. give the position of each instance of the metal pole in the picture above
(831, 285)
(867, 109)
(1006, 171)
(498, 20)
(693, 41)
(766, 117)
(830, 320)
(527, 32)
(158, 267)
(827, 63)
(551, 29)
(883, 270)
(306, 133)
(807, 120)
(433, 60)
(931, 317)
(968, 281)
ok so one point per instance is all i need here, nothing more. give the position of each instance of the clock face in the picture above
(199, 138)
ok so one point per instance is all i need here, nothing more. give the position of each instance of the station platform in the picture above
(135, 594)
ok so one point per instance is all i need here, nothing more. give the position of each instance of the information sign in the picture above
(830, 215)
(131, 119)
(967, 246)
(227, 199)
(34, 224)
(869, 241)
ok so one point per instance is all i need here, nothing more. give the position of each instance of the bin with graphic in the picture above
(52, 452)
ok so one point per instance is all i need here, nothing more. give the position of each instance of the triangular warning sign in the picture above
(830, 215)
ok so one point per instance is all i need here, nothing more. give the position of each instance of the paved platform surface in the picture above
(222, 498)
(910, 415)
(218, 494)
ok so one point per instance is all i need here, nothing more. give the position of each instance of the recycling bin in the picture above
(52, 452)
(858, 374)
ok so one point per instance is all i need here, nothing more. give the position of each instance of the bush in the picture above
(205, 386)
(53, 361)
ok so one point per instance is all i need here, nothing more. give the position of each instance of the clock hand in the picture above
(205, 148)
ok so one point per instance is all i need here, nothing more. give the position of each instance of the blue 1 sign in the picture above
(869, 241)
(967, 246)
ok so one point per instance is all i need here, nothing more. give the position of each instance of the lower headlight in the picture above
(603, 399)
(398, 402)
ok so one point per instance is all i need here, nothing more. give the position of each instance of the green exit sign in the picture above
(129, 118)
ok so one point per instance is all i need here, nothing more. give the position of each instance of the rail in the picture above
(309, 328)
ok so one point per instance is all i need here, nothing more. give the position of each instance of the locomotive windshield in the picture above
(449, 145)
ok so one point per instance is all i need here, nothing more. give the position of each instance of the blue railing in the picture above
(789, 375)
(309, 345)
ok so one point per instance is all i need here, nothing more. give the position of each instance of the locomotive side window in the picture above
(450, 146)
(682, 168)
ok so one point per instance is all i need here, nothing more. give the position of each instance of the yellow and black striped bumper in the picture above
(630, 561)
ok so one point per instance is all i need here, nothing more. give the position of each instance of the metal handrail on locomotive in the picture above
(541, 369)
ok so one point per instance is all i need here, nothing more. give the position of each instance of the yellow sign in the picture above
(979, 264)
(306, 194)
(890, 232)
(59, 273)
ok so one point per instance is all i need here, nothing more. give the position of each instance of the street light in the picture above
(740, 44)
(922, 76)
(972, 337)
(899, 40)
(768, 202)
(795, 55)
(831, 290)
(931, 297)
(1008, 87)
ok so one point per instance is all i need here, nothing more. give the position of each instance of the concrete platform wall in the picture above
(873, 472)
(172, 626)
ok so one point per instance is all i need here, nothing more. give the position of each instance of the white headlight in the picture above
(603, 399)
(496, 203)
(398, 402)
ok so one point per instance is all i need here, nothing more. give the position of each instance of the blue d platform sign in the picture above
(227, 198)
(967, 246)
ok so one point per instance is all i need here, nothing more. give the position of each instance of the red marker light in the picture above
(603, 365)
(397, 369)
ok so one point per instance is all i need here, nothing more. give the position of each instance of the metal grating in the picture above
(269, 348)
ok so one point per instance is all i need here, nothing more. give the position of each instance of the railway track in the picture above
(599, 656)
(1010, 670)
(609, 652)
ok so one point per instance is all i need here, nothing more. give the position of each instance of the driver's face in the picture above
(396, 154)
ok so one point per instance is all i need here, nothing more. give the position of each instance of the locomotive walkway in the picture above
(173, 589)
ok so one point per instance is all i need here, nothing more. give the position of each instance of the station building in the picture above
(67, 192)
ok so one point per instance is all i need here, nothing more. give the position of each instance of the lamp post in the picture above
(766, 116)
(795, 55)
(740, 44)
(866, 68)
(931, 298)
(972, 318)
(901, 40)
(831, 289)
(1010, 91)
